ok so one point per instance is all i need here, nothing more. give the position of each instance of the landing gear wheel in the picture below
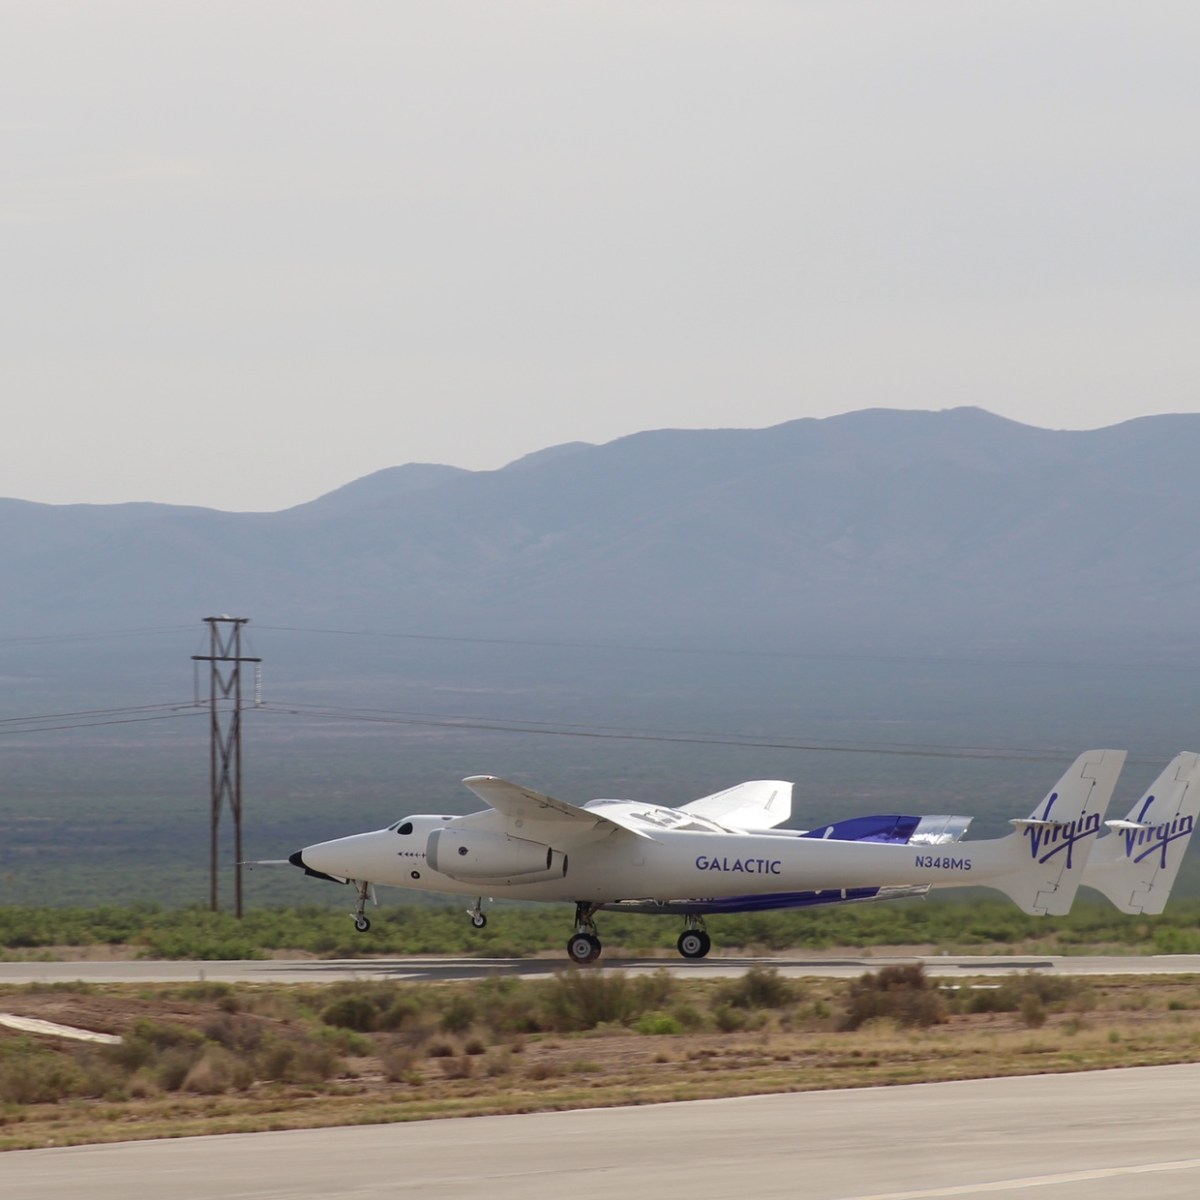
(363, 888)
(584, 948)
(694, 943)
(475, 912)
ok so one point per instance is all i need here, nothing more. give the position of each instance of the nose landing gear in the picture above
(361, 921)
(476, 913)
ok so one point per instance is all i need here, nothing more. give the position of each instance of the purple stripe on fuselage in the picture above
(733, 904)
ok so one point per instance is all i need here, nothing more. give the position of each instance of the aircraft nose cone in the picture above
(297, 860)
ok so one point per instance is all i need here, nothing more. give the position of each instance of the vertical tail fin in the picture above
(1053, 843)
(1136, 864)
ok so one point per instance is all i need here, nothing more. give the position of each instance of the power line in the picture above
(92, 712)
(744, 741)
(1175, 663)
(485, 724)
(38, 639)
(741, 652)
(97, 717)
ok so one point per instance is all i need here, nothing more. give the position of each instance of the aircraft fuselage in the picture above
(679, 863)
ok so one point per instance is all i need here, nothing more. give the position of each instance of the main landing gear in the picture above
(361, 921)
(694, 941)
(584, 946)
(475, 912)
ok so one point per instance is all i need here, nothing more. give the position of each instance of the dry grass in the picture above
(244, 1059)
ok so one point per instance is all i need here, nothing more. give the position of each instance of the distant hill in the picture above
(869, 524)
(861, 604)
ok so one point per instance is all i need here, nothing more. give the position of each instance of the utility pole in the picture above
(225, 658)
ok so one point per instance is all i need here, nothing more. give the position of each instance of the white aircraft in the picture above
(724, 853)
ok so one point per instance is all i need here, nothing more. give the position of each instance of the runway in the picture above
(1105, 1135)
(430, 969)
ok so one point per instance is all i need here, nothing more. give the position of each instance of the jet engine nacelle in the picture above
(488, 857)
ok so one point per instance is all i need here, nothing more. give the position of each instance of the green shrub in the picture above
(688, 1016)
(656, 990)
(759, 987)
(215, 1071)
(398, 1063)
(901, 993)
(146, 1044)
(30, 1074)
(275, 1060)
(459, 1016)
(172, 1067)
(1033, 1011)
(401, 1013)
(241, 1035)
(729, 1019)
(576, 1000)
(312, 1063)
(351, 1012)
(509, 1006)
(658, 1023)
(1050, 991)
(342, 1041)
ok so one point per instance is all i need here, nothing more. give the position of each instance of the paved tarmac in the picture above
(1105, 1135)
(438, 968)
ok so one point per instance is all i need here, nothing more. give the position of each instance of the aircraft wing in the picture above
(523, 804)
(755, 804)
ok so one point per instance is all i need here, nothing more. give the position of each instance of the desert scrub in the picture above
(31, 1074)
(759, 987)
(1028, 992)
(901, 993)
(576, 1000)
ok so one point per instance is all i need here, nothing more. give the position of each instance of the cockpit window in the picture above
(405, 827)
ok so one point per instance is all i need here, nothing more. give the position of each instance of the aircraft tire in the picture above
(694, 943)
(362, 924)
(583, 948)
(479, 922)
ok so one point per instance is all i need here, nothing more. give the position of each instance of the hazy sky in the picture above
(254, 250)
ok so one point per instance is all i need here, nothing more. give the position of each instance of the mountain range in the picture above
(871, 525)
(862, 604)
